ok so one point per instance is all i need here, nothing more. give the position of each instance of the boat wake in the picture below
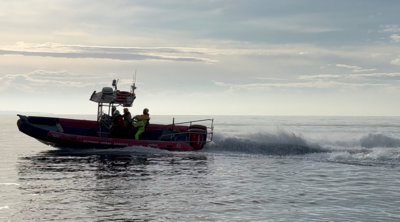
(379, 140)
(370, 149)
(281, 143)
(369, 157)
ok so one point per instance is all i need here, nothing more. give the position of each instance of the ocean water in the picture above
(256, 169)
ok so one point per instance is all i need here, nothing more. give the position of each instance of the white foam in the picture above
(379, 140)
(278, 143)
(382, 155)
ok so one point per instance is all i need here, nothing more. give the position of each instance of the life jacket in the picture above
(142, 121)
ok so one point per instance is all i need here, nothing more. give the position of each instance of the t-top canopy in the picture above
(114, 96)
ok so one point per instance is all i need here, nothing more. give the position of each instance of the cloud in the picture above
(300, 85)
(103, 52)
(391, 29)
(394, 31)
(44, 81)
(395, 37)
(336, 82)
(294, 24)
(354, 69)
(381, 76)
(395, 61)
(366, 77)
(319, 76)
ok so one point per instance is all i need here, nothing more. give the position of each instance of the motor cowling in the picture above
(197, 136)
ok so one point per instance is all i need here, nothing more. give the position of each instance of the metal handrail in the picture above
(194, 121)
(210, 128)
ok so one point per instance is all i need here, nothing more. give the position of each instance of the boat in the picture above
(96, 134)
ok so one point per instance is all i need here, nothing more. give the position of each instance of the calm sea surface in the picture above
(257, 169)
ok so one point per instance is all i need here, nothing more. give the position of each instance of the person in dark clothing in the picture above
(127, 117)
(117, 126)
(128, 127)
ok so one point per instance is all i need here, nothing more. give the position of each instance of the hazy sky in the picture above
(213, 57)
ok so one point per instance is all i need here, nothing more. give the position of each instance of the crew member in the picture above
(141, 122)
(127, 123)
(127, 117)
(117, 124)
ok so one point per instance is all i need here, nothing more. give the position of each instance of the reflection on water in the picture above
(57, 185)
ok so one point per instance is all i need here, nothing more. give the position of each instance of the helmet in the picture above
(145, 110)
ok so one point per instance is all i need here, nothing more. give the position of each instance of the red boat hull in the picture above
(85, 134)
(96, 142)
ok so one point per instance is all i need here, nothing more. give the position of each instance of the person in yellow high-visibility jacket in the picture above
(141, 122)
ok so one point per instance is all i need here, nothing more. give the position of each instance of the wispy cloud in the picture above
(335, 82)
(395, 61)
(394, 31)
(104, 52)
(319, 76)
(293, 24)
(381, 76)
(299, 85)
(354, 69)
(376, 77)
(395, 37)
(42, 80)
(391, 29)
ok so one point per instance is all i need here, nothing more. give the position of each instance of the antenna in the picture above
(134, 77)
(134, 81)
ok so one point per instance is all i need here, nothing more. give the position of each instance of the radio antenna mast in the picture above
(134, 81)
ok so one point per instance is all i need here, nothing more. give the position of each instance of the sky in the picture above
(203, 57)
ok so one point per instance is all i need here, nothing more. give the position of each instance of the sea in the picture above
(258, 168)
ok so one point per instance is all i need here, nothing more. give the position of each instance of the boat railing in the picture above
(208, 123)
(169, 135)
